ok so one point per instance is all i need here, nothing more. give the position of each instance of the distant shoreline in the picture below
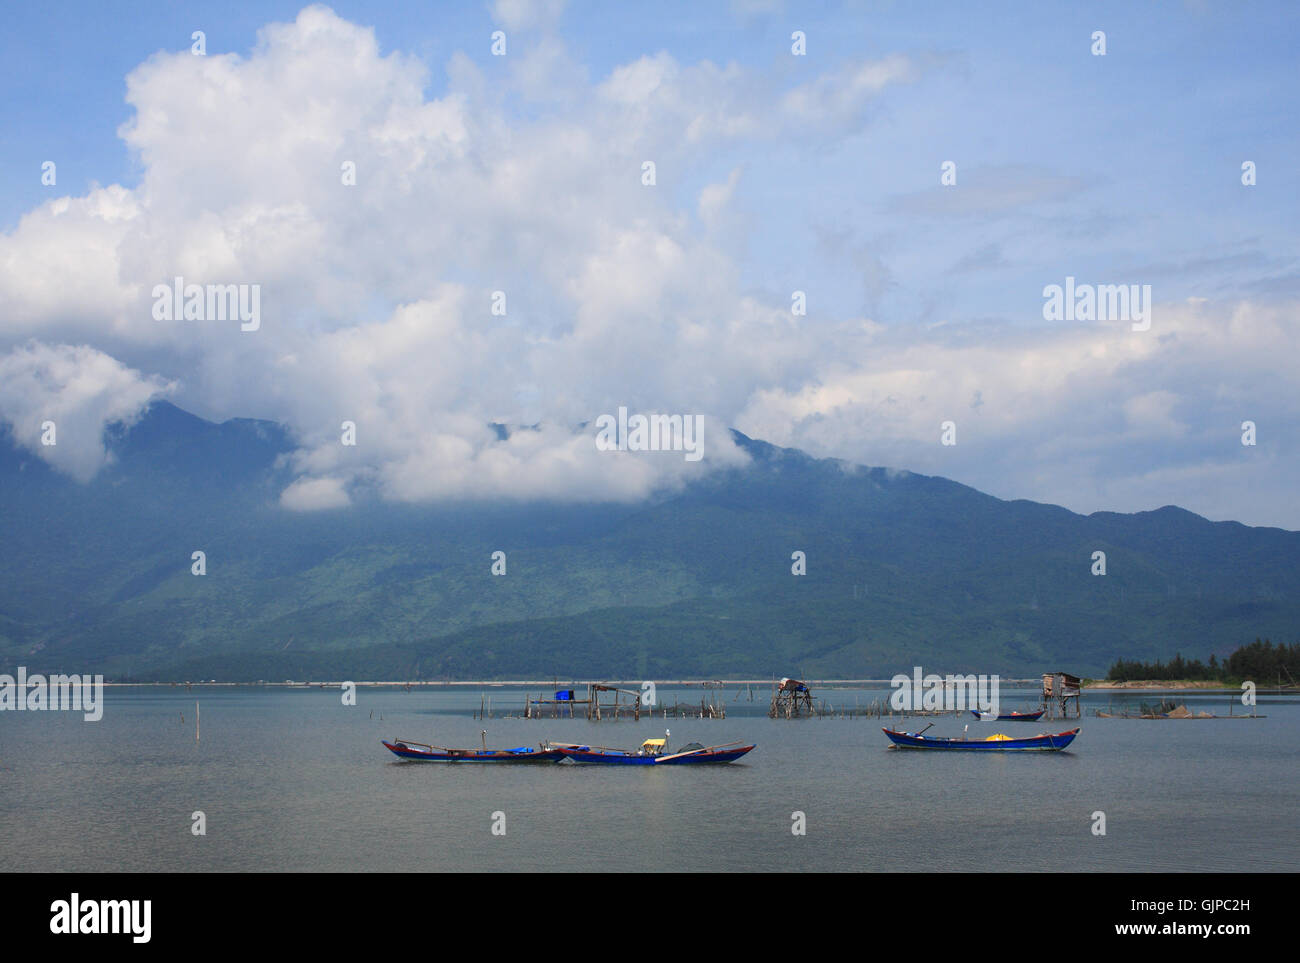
(529, 683)
(1171, 685)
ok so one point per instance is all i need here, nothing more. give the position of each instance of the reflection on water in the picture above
(292, 779)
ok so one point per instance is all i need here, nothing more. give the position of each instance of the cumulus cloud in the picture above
(434, 259)
(1094, 416)
(61, 267)
(58, 399)
(379, 224)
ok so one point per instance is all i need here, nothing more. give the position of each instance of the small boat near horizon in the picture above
(1043, 742)
(1008, 716)
(652, 753)
(423, 752)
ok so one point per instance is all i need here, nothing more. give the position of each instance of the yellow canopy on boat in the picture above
(998, 738)
(655, 742)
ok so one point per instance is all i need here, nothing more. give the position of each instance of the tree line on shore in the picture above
(1260, 661)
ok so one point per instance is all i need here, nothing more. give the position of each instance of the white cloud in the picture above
(315, 494)
(1092, 416)
(376, 298)
(62, 265)
(79, 391)
(837, 97)
(715, 197)
(527, 14)
(1152, 415)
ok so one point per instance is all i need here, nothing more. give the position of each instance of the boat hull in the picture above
(403, 751)
(1044, 742)
(615, 758)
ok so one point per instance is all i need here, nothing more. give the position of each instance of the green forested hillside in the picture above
(903, 570)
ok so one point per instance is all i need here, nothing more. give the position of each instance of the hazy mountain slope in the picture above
(903, 569)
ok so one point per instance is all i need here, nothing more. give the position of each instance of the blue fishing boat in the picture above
(1042, 742)
(652, 753)
(1009, 716)
(423, 752)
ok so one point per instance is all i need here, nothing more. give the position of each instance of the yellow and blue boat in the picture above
(1042, 742)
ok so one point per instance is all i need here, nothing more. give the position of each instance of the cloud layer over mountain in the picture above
(517, 183)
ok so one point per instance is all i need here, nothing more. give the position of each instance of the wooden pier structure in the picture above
(1060, 689)
(613, 702)
(791, 699)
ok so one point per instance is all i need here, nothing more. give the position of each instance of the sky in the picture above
(918, 177)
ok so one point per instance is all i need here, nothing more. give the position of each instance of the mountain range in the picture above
(903, 570)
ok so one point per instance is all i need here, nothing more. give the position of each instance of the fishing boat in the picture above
(423, 752)
(652, 753)
(1009, 716)
(1042, 742)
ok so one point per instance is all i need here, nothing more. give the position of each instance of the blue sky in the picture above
(925, 301)
(1152, 135)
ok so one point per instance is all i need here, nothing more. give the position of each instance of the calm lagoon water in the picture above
(290, 779)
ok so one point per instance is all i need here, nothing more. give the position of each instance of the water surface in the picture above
(290, 779)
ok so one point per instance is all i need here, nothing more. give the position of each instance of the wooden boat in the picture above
(1042, 742)
(652, 753)
(1009, 716)
(423, 752)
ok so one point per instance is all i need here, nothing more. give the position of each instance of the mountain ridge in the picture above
(903, 569)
